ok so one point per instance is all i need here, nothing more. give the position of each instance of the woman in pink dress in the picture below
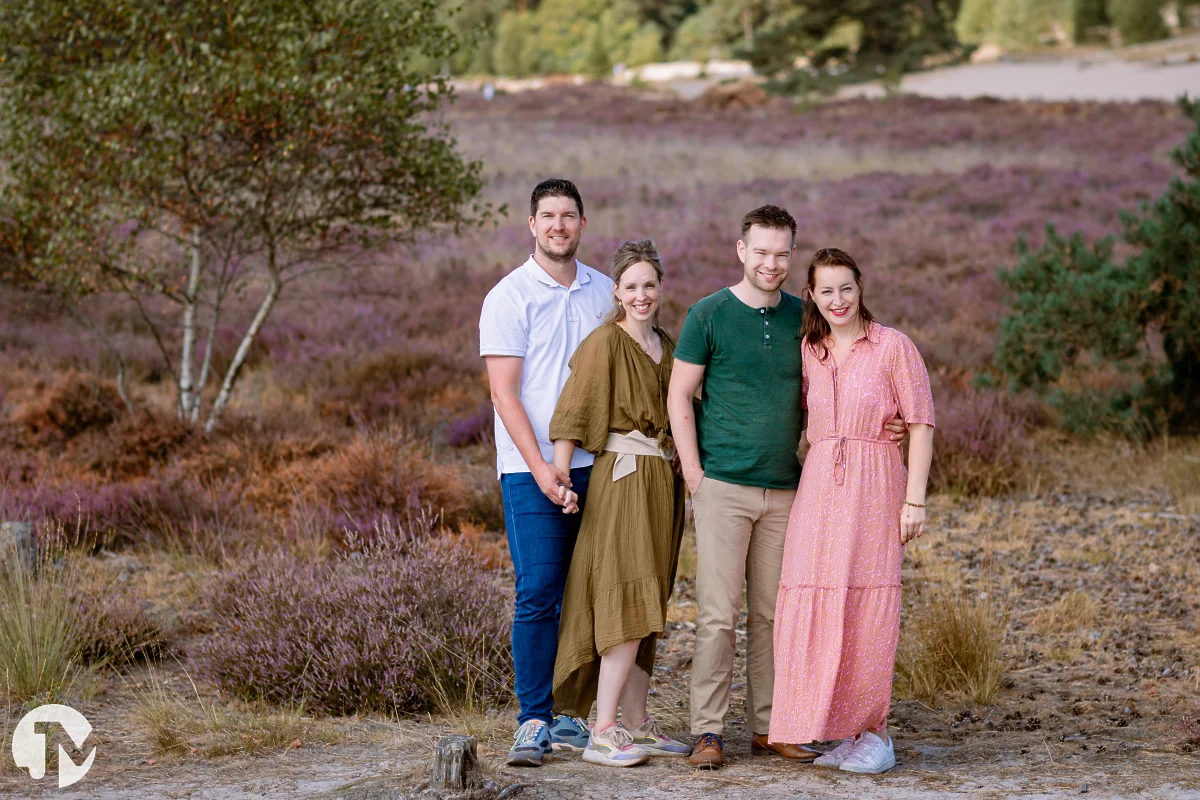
(838, 614)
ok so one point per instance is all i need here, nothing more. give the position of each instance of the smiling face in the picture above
(638, 290)
(766, 255)
(837, 295)
(557, 227)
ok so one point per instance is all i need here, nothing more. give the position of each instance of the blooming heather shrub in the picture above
(471, 429)
(401, 625)
(981, 445)
(158, 508)
(113, 626)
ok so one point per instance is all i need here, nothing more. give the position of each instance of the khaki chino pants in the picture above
(740, 532)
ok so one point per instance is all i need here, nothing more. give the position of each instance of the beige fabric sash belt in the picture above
(628, 446)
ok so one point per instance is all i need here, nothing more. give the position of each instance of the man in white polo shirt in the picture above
(532, 321)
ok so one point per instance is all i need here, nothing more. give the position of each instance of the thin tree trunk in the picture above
(121, 383)
(202, 381)
(748, 28)
(187, 386)
(274, 285)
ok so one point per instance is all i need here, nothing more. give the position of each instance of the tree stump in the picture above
(454, 760)
(16, 543)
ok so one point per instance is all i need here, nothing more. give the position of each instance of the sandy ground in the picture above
(360, 774)
(1105, 705)
(1073, 79)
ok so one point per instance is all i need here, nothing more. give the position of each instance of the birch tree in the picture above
(185, 154)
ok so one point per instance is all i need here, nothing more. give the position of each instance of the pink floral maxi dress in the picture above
(837, 618)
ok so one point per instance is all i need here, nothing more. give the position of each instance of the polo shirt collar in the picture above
(537, 273)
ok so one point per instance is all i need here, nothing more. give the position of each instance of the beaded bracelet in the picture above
(914, 505)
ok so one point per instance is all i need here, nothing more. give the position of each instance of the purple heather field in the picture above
(336, 546)
(365, 395)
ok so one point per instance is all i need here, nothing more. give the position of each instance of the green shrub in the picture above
(974, 20)
(1022, 23)
(514, 53)
(1138, 20)
(1115, 344)
(1086, 17)
(646, 46)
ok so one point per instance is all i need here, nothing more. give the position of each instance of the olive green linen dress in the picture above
(623, 567)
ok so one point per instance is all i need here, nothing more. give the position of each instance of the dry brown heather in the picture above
(1049, 637)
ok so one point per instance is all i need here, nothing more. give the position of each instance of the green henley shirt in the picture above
(750, 418)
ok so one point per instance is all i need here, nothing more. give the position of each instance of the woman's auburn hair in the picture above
(815, 329)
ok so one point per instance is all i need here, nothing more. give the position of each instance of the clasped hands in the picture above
(556, 485)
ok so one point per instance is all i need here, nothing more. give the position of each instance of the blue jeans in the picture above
(540, 540)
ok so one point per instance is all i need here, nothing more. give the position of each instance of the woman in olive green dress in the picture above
(623, 567)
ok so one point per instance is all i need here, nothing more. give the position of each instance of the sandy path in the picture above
(349, 772)
(1057, 80)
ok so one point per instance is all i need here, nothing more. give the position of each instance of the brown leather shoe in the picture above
(794, 752)
(708, 752)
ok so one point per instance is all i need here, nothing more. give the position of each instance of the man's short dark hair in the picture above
(554, 187)
(769, 217)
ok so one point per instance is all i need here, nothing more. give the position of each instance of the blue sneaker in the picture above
(530, 745)
(650, 738)
(569, 734)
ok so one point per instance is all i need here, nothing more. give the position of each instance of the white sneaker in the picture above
(870, 756)
(614, 747)
(834, 758)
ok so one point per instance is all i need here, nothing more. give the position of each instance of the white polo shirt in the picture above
(531, 315)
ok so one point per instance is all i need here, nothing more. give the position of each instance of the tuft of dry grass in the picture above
(189, 724)
(1070, 613)
(952, 645)
(39, 645)
(1181, 474)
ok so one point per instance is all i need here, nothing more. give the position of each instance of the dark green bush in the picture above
(1138, 20)
(1088, 16)
(1115, 344)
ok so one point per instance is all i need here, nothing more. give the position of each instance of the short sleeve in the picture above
(910, 382)
(694, 345)
(584, 407)
(502, 330)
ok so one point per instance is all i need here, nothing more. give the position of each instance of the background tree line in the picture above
(516, 38)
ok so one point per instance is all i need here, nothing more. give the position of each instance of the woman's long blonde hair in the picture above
(627, 255)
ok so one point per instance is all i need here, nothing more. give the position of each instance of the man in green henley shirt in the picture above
(743, 345)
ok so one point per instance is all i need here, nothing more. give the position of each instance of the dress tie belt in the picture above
(839, 453)
(628, 446)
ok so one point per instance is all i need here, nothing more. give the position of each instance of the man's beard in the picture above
(756, 282)
(565, 258)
